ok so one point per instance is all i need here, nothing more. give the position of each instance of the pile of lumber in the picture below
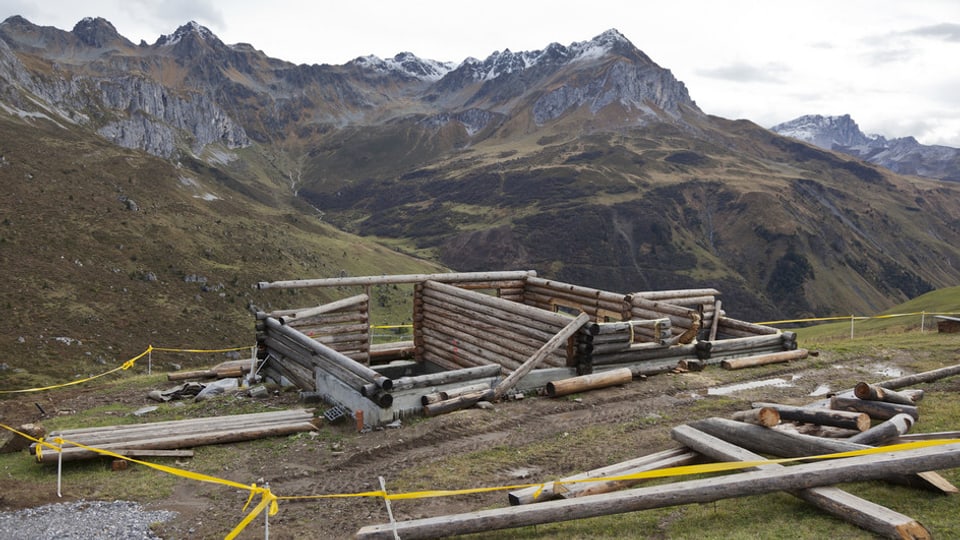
(159, 438)
(861, 418)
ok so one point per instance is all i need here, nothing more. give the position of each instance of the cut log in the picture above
(695, 491)
(589, 382)
(862, 513)
(457, 403)
(875, 392)
(879, 410)
(885, 432)
(690, 364)
(761, 416)
(825, 417)
(763, 359)
(562, 488)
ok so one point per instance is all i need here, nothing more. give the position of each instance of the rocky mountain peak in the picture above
(405, 64)
(97, 32)
(903, 155)
(190, 31)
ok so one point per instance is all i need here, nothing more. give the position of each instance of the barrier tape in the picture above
(125, 366)
(269, 501)
(855, 317)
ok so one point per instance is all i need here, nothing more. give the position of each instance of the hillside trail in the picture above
(542, 439)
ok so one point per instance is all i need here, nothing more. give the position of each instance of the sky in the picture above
(893, 65)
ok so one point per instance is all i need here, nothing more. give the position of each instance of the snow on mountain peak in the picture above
(191, 28)
(407, 63)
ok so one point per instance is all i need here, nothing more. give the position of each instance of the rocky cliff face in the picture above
(902, 155)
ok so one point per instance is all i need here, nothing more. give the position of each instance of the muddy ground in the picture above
(423, 453)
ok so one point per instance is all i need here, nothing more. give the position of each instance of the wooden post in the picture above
(556, 341)
(803, 476)
(763, 359)
(862, 513)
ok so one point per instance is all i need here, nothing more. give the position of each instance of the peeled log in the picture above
(885, 432)
(589, 382)
(764, 359)
(803, 476)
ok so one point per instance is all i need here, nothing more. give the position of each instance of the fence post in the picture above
(923, 321)
(851, 325)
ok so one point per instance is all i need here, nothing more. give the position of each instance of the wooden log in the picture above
(330, 354)
(745, 343)
(299, 376)
(187, 440)
(691, 364)
(715, 321)
(460, 402)
(675, 457)
(498, 340)
(469, 389)
(676, 294)
(587, 292)
(446, 377)
(825, 417)
(761, 416)
(352, 302)
(232, 368)
(797, 477)
(582, 303)
(641, 353)
(925, 377)
(738, 328)
(763, 359)
(885, 432)
(880, 410)
(304, 367)
(589, 382)
(451, 277)
(443, 362)
(875, 392)
(872, 517)
(463, 352)
(556, 341)
(782, 444)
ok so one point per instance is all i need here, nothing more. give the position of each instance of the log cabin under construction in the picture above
(487, 335)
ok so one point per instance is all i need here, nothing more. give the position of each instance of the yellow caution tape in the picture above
(854, 317)
(269, 500)
(126, 365)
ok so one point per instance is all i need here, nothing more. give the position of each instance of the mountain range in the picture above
(587, 162)
(903, 155)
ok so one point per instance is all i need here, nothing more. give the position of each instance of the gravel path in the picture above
(89, 520)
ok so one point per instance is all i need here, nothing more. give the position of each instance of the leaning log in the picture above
(572, 486)
(589, 382)
(880, 410)
(877, 519)
(825, 417)
(803, 476)
(556, 341)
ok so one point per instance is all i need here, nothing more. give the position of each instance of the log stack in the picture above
(153, 438)
(343, 325)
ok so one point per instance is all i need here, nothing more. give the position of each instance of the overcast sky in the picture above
(893, 65)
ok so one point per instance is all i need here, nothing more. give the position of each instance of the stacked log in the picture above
(464, 328)
(717, 351)
(223, 370)
(343, 325)
(298, 357)
(176, 434)
(549, 295)
(703, 301)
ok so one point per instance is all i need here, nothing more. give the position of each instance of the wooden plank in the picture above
(803, 476)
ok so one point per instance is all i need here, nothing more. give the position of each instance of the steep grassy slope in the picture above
(120, 250)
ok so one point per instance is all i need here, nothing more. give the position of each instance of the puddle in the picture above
(821, 390)
(726, 390)
(887, 371)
